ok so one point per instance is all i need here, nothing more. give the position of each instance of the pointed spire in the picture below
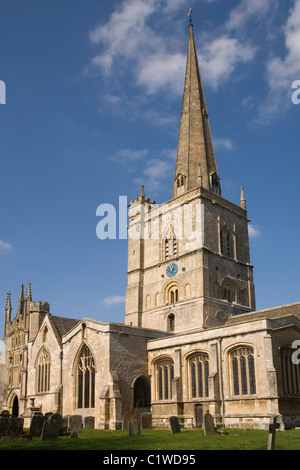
(21, 301)
(243, 200)
(8, 308)
(195, 147)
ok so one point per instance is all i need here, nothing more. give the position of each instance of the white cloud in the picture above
(253, 231)
(129, 43)
(281, 72)
(114, 300)
(246, 10)
(220, 57)
(5, 247)
(223, 143)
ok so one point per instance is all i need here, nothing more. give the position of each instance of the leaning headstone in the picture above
(272, 432)
(59, 419)
(36, 424)
(146, 420)
(89, 422)
(126, 418)
(174, 424)
(208, 424)
(75, 425)
(50, 429)
(134, 427)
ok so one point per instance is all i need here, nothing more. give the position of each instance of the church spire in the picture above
(196, 163)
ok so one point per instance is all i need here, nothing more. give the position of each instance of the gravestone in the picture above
(3, 426)
(14, 427)
(36, 424)
(146, 420)
(134, 427)
(10, 428)
(174, 425)
(89, 422)
(208, 424)
(59, 419)
(272, 432)
(50, 429)
(75, 425)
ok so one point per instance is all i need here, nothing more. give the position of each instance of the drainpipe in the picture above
(60, 405)
(223, 431)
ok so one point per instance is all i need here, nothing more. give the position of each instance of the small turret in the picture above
(243, 200)
(21, 302)
(8, 310)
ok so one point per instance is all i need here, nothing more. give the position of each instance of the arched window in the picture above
(228, 292)
(243, 371)
(85, 376)
(164, 377)
(43, 371)
(199, 372)
(290, 372)
(171, 322)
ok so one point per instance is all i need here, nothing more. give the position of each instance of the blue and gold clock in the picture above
(172, 270)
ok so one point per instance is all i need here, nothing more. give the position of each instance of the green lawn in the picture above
(155, 439)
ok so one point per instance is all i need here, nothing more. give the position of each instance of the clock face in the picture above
(172, 270)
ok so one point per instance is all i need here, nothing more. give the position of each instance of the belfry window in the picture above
(167, 249)
(43, 371)
(85, 379)
(243, 371)
(164, 376)
(225, 243)
(174, 246)
(199, 372)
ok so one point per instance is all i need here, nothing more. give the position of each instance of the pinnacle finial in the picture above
(243, 200)
(8, 301)
(190, 16)
(28, 293)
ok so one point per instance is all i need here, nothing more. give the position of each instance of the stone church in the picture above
(191, 339)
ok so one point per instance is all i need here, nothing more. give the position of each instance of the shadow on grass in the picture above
(158, 439)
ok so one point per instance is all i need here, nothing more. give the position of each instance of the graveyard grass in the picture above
(159, 439)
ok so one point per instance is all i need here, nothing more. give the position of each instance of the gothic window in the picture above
(171, 322)
(43, 371)
(198, 372)
(164, 376)
(290, 372)
(243, 371)
(85, 379)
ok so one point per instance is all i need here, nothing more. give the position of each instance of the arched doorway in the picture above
(15, 407)
(142, 392)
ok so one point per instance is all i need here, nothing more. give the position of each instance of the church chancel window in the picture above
(43, 371)
(85, 379)
(199, 372)
(164, 377)
(243, 371)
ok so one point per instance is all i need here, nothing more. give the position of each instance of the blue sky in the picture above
(93, 102)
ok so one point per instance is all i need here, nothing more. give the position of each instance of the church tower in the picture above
(188, 259)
